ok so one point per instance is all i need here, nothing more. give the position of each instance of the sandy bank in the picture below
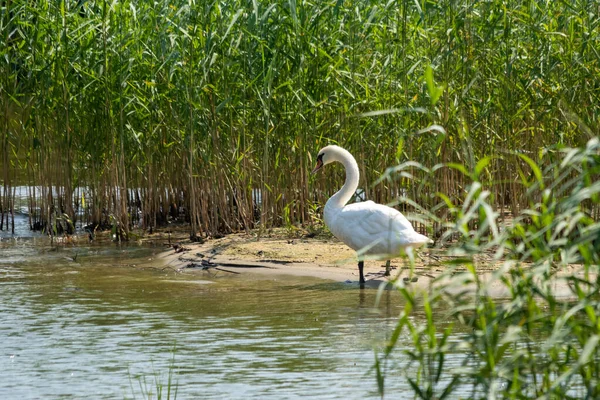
(316, 257)
(241, 253)
(327, 259)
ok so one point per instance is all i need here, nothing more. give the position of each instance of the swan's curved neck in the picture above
(340, 199)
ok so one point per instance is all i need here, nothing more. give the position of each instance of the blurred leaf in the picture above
(434, 91)
(534, 168)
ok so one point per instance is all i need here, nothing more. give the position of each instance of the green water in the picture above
(99, 327)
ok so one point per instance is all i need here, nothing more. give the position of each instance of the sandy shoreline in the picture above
(327, 258)
(320, 258)
(324, 258)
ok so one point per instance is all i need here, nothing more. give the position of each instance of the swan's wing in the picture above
(382, 229)
(374, 217)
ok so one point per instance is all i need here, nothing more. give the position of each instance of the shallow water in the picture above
(86, 321)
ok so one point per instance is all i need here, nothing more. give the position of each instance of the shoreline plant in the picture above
(536, 342)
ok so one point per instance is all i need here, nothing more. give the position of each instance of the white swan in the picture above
(366, 227)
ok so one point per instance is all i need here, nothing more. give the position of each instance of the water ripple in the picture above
(102, 331)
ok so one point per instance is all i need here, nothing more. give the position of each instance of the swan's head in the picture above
(327, 155)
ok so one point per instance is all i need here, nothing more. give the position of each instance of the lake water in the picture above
(86, 321)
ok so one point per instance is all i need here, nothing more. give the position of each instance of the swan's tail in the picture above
(417, 240)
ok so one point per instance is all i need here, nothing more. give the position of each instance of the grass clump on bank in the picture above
(133, 113)
(539, 341)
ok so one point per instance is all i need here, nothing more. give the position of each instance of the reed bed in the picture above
(133, 113)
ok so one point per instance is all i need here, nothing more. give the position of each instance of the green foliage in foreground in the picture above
(127, 112)
(541, 339)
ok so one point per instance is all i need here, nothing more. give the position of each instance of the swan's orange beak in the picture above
(318, 166)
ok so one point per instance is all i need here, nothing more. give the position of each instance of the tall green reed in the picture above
(210, 112)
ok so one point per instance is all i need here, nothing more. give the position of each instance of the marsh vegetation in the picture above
(480, 117)
(134, 113)
(538, 341)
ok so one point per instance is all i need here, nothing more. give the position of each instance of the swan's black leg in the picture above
(387, 268)
(361, 265)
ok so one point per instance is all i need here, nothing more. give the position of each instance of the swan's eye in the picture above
(320, 157)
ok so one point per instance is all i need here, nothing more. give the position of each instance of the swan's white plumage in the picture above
(367, 227)
(372, 228)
